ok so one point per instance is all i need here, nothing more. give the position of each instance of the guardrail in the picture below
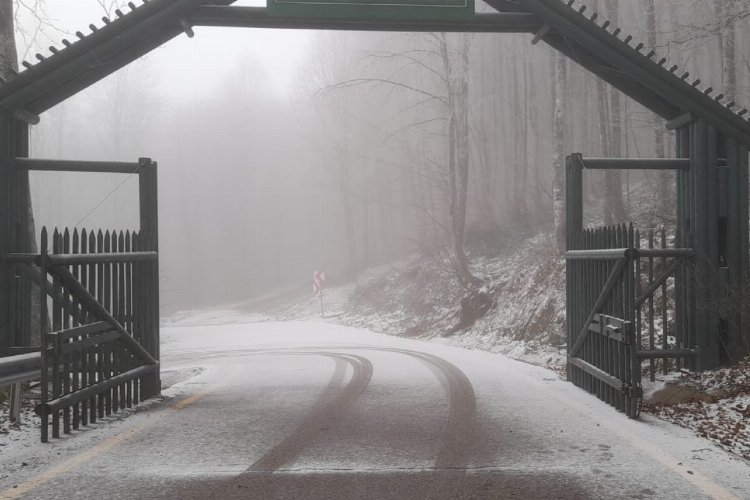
(16, 370)
(20, 368)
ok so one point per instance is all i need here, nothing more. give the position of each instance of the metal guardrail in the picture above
(14, 371)
(20, 368)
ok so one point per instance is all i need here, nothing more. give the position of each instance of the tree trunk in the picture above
(8, 55)
(457, 79)
(663, 177)
(25, 240)
(558, 159)
(614, 207)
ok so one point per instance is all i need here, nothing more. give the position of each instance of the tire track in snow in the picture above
(331, 405)
(459, 442)
(459, 445)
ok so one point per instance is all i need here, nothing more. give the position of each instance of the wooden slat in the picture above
(84, 354)
(108, 384)
(113, 167)
(75, 321)
(92, 353)
(106, 257)
(597, 373)
(56, 325)
(87, 343)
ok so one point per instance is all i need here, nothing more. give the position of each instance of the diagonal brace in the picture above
(608, 286)
(651, 288)
(85, 296)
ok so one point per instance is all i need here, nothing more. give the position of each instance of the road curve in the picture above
(319, 411)
(332, 405)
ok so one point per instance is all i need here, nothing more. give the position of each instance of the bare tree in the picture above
(558, 160)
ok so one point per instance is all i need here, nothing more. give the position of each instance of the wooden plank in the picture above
(75, 321)
(665, 353)
(44, 340)
(598, 254)
(112, 167)
(106, 385)
(635, 163)
(66, 374)
(106, 257)
(6, 227)
(597, 373)
(258, 17)
(122, 317)
(658, 282)
(137, 301)
(107, 304)
(56, 325)
(100, 351)
(89, 342)
(84, 355)
(83, 330)
(92, 353)
(651, 313)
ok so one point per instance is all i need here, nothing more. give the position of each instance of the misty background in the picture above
(282, 152)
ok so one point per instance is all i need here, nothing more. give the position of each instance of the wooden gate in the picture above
(99, 308)
(626, 300)
(101, 355)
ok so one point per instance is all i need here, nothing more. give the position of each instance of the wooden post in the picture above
(149, 240)
(573, 233)
(705, 213)
(6, 224)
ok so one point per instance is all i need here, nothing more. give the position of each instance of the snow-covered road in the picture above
(316, 410)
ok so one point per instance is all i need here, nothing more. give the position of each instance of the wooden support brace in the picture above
(611, 280)
(187, 28)
(26, 117)
(540, 34)
(605, 377)
(680, 121)
(99, 309)
(651, 288)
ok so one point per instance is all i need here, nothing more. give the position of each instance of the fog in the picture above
(282, 152)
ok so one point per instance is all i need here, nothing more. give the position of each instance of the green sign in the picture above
(374, 9)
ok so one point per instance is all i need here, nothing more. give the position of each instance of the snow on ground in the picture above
(715, 405)
(419, 297)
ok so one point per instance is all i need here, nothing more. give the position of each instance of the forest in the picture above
(368, 148)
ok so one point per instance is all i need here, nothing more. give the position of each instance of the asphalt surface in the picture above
(295, 412)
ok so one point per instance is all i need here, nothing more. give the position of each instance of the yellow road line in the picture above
(75, 460)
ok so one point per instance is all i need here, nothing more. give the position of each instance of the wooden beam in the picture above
(635, 163)
(100, 258)
(605, 377)
(258, 17)
(110, 167)
(680, 121)
(6, 225)
(26, 117)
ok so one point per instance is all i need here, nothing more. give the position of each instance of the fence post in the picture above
(149, 240)
(6, 224)
(573, 230)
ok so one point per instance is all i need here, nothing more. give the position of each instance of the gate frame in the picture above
(584, 38)
(712, 222)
